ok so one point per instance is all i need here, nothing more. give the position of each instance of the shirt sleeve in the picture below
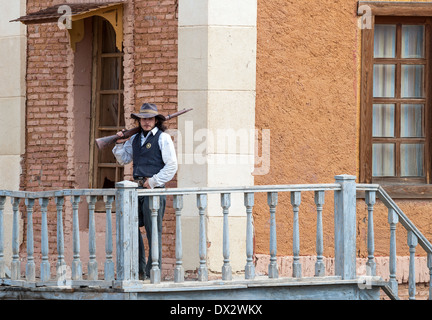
(123, 151)
(169, 158)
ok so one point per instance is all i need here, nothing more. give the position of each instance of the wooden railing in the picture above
(414, 237)
(124, 271)
(44, 198)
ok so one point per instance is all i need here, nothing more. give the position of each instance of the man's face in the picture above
(147, 124)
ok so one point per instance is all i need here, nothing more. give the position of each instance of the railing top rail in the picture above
(58, 193)
(241, 189)
(367, 187)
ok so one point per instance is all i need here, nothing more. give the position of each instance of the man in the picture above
(154, 164)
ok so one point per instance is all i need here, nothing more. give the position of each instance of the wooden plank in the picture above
(401, 9)
(345, 228)
(243, 189)
(366, 104)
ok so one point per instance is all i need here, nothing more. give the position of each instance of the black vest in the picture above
(147, 159)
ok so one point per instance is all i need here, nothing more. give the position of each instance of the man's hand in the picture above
(121, 134)
(146, 184)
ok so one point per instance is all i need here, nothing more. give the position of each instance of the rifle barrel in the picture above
(104, 142)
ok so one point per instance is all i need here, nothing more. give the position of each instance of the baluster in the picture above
(127, 232)
(179, 270)
(155, 275)
(202, 270)
(412, 243)
(60, 238)
(92, 264)
(295, 202)
(319, 264)
(272, 198)
(370, 264)
(45, 272)
(393, 220)
(249, 268)
(429, 264)
(109, 263)
(30, 265)
(226, 269)
(15, 265)
(76, 262)
(2, 262)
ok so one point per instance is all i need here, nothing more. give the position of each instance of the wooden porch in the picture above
(21, 279)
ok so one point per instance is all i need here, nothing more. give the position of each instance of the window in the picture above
(398, 102)
(107, 105)
(395, 107)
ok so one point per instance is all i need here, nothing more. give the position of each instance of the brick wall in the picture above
(150, 75)
(48, 72)
(46, 162)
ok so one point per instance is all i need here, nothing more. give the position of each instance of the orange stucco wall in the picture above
(308, 77)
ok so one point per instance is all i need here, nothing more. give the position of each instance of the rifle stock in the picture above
(104, 142)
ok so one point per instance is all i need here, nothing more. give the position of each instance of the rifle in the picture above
(104, 142)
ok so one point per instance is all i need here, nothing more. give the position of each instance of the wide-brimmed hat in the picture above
(148, 110)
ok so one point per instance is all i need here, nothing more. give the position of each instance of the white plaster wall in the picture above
(216, 77)
(12, 104)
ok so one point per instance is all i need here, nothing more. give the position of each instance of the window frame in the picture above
(394, 13)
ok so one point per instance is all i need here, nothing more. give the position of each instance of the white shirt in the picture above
(123, 153)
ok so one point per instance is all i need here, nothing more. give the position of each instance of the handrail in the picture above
(404, 220)
(391, 204)
(58, 193)
(251, 189)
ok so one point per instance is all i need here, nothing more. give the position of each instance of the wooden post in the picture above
(412, 241)
(429, 265)
(345, 227)
(226, 268)
(179, 270)
(319, 264)
(295, 202)
(272, 198)
(45, 272)
(109, 263)
(92, 263)
(60, 238)
(393, 220)
(76, 262)
(249, 268)
(127, 231)
(16, 264)
(155, 273)
(371, 265)
(202, 270)
(30, 265)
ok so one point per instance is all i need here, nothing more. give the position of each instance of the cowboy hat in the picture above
(148, 110)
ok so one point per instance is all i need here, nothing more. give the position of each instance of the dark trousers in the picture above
(144, 219)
